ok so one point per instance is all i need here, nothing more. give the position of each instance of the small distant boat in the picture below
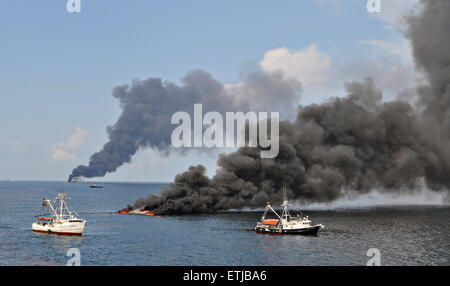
(94, 186)
(286, 224)
(58, 218)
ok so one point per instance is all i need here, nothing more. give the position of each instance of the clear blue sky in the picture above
(57, 69)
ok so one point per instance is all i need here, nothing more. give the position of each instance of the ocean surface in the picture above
(404, 235)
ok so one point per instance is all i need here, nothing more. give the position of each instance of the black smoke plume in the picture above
(352, 144)
(148, 106)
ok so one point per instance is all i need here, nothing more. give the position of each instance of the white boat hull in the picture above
(62, 228)
(306, 230)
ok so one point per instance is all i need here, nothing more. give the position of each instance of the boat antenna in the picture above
(285, 199)
(285, 213)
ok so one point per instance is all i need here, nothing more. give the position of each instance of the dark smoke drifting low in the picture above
(352, 144)
(148, 106)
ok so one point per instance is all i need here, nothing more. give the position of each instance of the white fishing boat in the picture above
(285, 223)
(57, 218)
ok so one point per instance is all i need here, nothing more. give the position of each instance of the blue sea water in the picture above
(404, 235)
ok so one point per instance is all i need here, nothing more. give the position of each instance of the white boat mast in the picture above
(269, 207)
(285, 214)
(62, 210)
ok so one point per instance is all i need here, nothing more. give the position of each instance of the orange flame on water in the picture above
(141, 212)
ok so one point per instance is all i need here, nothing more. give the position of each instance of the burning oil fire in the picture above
(136, 212)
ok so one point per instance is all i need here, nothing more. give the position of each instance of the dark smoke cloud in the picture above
(356, 143)
(352, 144)
(429, 33)
(149, 104)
